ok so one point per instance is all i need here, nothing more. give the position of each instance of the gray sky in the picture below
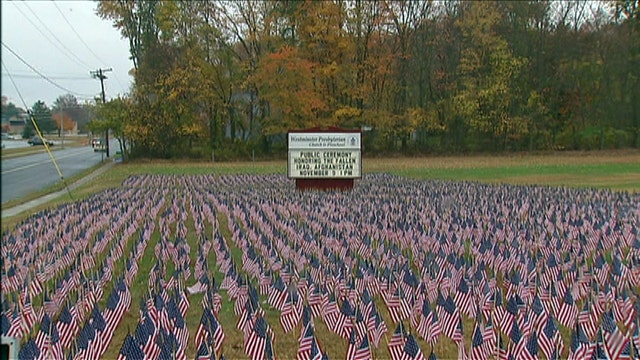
(64, 41)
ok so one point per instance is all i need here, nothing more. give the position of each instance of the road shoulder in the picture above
(19, 209)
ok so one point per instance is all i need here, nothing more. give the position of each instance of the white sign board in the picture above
(324, 155)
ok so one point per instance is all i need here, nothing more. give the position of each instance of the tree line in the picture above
(65, 114)
(415, 76)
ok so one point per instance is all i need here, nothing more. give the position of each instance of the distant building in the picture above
(15, 124)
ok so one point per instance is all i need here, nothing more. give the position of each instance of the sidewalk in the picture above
(46, 198)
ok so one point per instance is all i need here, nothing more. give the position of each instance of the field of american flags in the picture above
(166, 259)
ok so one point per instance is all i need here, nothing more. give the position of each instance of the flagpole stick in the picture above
(493, 319)
(602, 337)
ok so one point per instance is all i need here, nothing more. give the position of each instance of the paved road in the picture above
(26, 174)
(14, 144)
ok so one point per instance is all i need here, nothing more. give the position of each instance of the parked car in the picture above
(37, 140)
(99, 145)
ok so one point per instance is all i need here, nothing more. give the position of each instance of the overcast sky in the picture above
(63, 41)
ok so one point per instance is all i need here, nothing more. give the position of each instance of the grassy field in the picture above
(613, 170)
(618, 171)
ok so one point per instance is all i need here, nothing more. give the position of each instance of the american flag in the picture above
(588, 321)
(130, 349)
(315, 300)
(489, 337)
(378, 329)
(181, 334)
(635, 335)
(352, 345)
(398, 305)
(132, 270)
(517, 339)
(579, 348)
(49, 306)
(434, 329)
(568, 311)
(290, 316)
(458, 338)
(425, 319)
(305, 319)
(344, 322)
(363, 352)
(330, 312)
(530, 351)
(449, 316)
(209, 331)
(614, 340)
(5, 322)
(316, 352)
(102, 338)
(277, 293)
(17, 325)
(509, 316)
(257, 339)
(599, 352)
(502, 352)
(366, 304)
(306, 341)
(463, 299)
(29, 351)
(478, 348)
(538, 315)
(550, 340)
(623, 308)
(217, 334)
(411, 349)
(47, 339)
(29, 316)
(554, 248)
(245, 320)
(212, 298)
(625, 354)
(396, 343)
(146, 336)
(85, 341)
(204, 353)
(67, 327)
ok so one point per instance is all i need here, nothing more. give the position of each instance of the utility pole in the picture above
(62, 124)
(99, 74)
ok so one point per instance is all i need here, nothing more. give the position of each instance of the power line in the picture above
(55, 37)
(75, 32)
(53, 77)
(83, 42)
(42, 75)
(37, 128)
(44, 35)
(68, 52)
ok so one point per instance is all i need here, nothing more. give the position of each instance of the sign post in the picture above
(324, 159)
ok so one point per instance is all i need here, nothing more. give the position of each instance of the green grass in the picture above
(613, 176)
